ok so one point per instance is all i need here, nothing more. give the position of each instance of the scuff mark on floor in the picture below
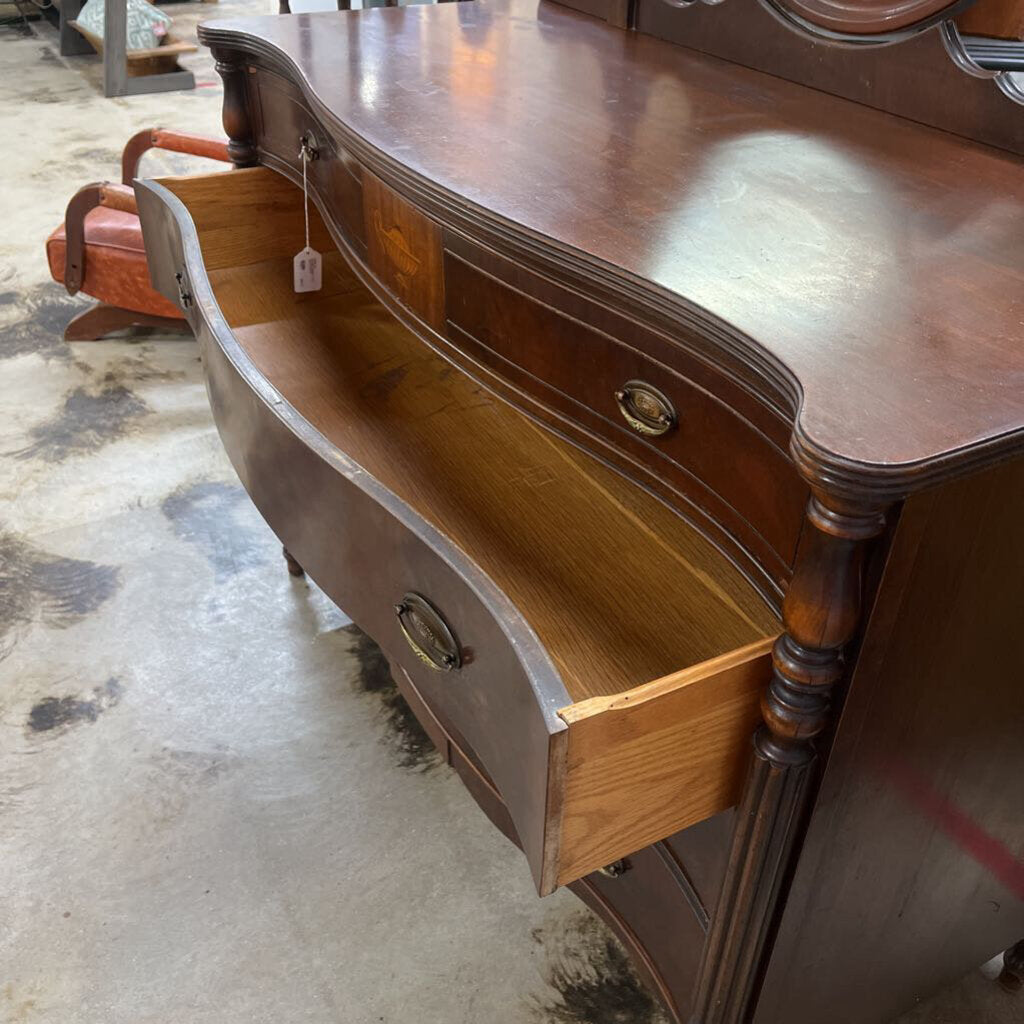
(58, 591)
(207, 514)
(89, 418)
(40, 315)
(412, 747)
(194, 766)
(58, 714)
(592, 978)
(96, 154)
(18, 1004)
(139, 368)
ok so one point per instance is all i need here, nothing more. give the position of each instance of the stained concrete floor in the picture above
(213, 805)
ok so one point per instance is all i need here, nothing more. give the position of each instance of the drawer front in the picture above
(724, 455)
(368, 560)
(282, 120)
(679, 426)
(368, 552)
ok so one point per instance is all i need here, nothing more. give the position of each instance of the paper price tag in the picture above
(308, 267)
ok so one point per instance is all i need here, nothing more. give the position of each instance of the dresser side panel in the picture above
(911, 872)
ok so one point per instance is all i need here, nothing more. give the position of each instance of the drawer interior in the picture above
(651, 628)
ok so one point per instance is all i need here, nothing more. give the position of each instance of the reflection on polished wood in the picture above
(845, 246)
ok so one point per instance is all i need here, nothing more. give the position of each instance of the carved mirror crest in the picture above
(984, 38)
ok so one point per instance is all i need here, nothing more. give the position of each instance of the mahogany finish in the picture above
(714, 457)
(628, 357)
(999, 19)
(868, 17)
(915, 79)
(912, 865)
(801, 233)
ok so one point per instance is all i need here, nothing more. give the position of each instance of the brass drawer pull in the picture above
(426, 632)
(645, 408)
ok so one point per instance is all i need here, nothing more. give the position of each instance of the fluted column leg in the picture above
(821, 612)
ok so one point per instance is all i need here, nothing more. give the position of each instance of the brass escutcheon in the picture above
(308, 147)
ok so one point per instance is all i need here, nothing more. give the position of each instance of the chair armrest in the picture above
(176, 142)
(118, 197)
(114, 197)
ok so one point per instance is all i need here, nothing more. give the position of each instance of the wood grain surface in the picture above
(404, 250)
(586, 558)
(661, 757)
(614, 583)
(867, 17)
(914, 80)
(999, 19)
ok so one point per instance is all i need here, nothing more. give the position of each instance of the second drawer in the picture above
(679, 419)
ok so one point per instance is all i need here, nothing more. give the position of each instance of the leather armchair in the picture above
(99, 249)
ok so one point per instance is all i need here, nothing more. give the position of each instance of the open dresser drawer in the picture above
(602, 660)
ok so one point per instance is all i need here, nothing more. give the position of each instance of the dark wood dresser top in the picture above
(874, 266)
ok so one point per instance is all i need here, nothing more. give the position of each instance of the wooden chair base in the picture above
(99, 320)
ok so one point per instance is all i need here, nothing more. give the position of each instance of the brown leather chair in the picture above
(99, 249)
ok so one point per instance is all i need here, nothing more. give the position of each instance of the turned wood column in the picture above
(236, 117)
(821, 612)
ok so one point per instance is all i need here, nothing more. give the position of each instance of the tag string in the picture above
(305, 195)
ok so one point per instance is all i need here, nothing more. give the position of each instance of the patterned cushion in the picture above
(147, 27)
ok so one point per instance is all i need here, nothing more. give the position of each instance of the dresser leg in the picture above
(1012, 977)
(821, 612)
(293, 567)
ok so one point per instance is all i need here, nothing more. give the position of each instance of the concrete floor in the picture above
(213, 805)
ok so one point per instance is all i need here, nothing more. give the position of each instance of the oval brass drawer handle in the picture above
(426, 632)
(645, 408)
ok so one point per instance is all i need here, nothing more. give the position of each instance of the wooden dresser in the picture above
(663, 420)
